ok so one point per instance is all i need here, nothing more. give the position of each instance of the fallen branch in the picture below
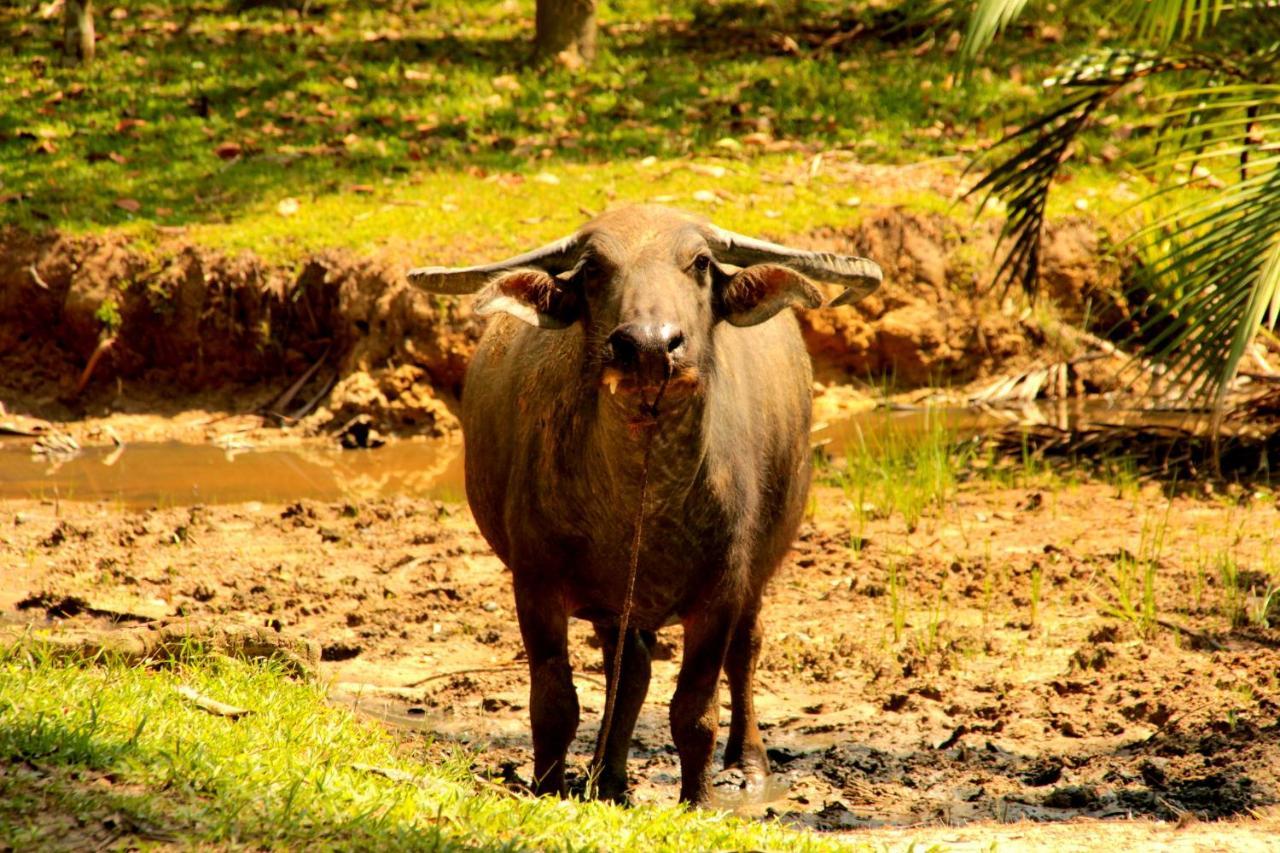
(389, 773)
(1198, 636)
(472, 671)
(153, 642)
(101, 350)
(212, 706)
(35, 276)
(282, 402)
(490, 669)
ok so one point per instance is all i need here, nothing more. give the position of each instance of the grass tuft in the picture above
(892, 470)
(111, 754)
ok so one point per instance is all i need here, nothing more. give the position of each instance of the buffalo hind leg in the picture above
(610, 762)
(553, 703)
(745, 748)
(695, 715)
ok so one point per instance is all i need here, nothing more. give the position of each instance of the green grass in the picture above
(1133, 578)
(87, 752)
(428, 121)
(890, 469)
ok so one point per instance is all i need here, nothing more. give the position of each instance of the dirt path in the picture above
(965, 671)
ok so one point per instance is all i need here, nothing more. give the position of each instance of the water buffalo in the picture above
(588, 332)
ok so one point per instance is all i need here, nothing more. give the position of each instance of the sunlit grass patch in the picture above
(894, 470)
(195, 114)
(98, 753)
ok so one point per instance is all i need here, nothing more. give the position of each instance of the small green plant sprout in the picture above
(1037, 580)
(929, 639)
(108, 316)
(1232, 601)
(1133, 580)
(896, 595)
(900, 469)
(1260, 612)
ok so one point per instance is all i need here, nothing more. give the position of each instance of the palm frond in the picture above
(1022, 179)
(1022, 182)
(987, 20)
(1210, 277)
(1166, 20)
(1214, 274)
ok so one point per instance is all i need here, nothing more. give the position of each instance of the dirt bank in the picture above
(982, 666)
(177, 327)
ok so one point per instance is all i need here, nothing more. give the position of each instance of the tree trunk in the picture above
(566, 30)
(77, 30)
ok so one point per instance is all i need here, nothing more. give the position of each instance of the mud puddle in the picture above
(907, 423)
(170, 473)
(175, 474)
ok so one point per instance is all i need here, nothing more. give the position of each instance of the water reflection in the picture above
(168, 474)
(172, 474)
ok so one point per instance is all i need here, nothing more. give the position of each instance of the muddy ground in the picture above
(975, 668)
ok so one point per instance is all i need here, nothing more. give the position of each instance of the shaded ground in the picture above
(279, 100)
(995, 663)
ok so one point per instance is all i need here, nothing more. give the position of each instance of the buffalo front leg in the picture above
(553, 703)
(610, 762)
(695, 717)
(745, 748)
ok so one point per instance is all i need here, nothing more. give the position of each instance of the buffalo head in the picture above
(648, 284)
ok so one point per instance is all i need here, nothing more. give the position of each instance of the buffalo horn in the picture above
(553, 258)
(859, 276)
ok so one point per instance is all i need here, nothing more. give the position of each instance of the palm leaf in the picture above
(1023, 178)
(987, 20)
(1165, 20)
(1211, 277)
(1216, 280)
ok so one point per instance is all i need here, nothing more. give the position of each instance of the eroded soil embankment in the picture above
(184, 323)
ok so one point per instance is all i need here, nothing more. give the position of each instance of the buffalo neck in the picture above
(616, 435)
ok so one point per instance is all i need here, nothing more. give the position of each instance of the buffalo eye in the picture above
(701, 264)
(590, 269)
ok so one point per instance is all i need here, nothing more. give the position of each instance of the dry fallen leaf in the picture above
(228, 150)
(506, 83)
(130, 204)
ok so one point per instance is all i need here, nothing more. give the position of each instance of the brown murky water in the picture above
(171, 473)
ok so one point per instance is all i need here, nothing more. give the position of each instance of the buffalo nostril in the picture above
(623, 347)
(675, 343)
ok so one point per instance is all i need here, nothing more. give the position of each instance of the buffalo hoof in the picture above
(746, 785)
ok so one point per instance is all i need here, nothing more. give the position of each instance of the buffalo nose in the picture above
(646, 349)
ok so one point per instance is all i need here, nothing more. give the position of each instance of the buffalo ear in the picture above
(745, 297)
(531, 295)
